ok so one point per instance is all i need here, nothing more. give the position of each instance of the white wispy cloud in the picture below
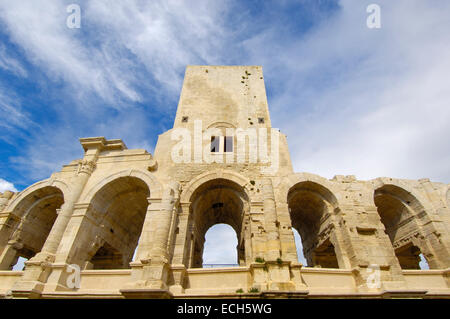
(39, 28)
(369, 102)
(6, 186)
(123, 53)
(116, 41)
(14, 118)
(9, 63)
(351, 100)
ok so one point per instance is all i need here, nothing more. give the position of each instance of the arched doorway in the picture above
(398, 210)
(35, 216)
(119, 210)
(219, 201)
(310, 206)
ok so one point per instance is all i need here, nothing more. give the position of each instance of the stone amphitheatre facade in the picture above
(360, 238)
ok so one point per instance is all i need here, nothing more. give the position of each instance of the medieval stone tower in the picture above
(222, 162)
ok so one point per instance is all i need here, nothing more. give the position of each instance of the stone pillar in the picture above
(150, 275)
(270, 222)
(74, 248)
(368, 248)
(180, 258)
(6, 226)
(163, 219)
(336, 237)
(287, 240)
(257, 233)
(38, 268)
(434, 228)
(180, 255)
(279, 276)
(148, 230)
(8, 257)
(54, 238)
(8, 245)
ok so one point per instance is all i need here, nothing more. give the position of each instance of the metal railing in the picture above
(219, 265)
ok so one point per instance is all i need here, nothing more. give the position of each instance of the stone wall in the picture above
(135, 223)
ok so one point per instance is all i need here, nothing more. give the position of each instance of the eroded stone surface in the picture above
(97, 210)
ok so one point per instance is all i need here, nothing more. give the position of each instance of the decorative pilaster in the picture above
(150, 274)
(163, 220)
(39, 267)
(181, 250)
(270, 222)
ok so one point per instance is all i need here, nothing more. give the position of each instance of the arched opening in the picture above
(36, 214)
(398, 209)
(219, 201)
(119, 209)
(410, 257)
(310, 205)
(220, 247)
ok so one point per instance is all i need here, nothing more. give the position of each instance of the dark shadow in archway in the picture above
(310, 205)
(397, 209)
(119, 209)
(36, 214)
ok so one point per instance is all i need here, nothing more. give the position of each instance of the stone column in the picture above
(6, 225)
(180, 258)
(368, 248)
(38, 268)
(8, 257)
(149, 275)
(434, 228)
(181, 250)
(148, 231)
(270, 221)
(163, 219)
(279, 277)
(54, 238)
(8, 245)
(257, 232)
(287, 239)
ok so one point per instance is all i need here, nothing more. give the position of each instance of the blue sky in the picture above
(352, 100)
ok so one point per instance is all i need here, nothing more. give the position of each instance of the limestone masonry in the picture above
(79, 229)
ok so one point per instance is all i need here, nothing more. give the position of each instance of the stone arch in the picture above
(153, 184)
(221, 125)
(116, 213)
(407, 189)
(59, 184)
(216, 199)
(401, 211)
(285, 184)
(31, 218)
(311, 206)
(208, 176)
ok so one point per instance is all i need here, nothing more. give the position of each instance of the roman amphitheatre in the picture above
(134, 223)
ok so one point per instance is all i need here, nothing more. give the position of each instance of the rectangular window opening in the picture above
(228, 144)
(215, 144)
